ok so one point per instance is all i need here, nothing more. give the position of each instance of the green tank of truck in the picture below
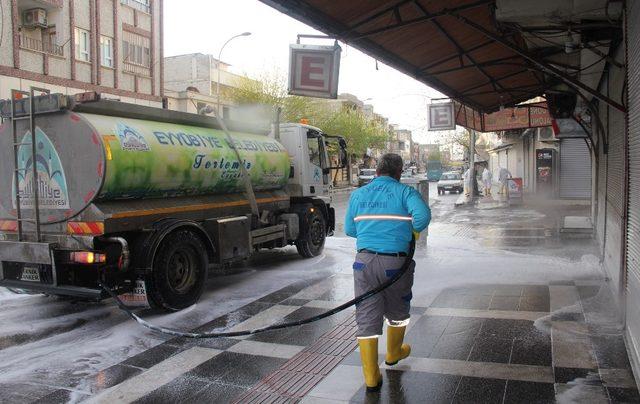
(103, 192)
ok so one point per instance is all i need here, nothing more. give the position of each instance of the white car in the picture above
(408, 173)
(366, 175)
(450, 181)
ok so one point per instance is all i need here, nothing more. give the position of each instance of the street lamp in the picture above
(219, 61)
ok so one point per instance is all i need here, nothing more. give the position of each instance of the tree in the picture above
(461, 138)
(434, 155)
(361, 134)
(270, 92)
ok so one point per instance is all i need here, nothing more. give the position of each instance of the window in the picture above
(83, 47)
(135, 49)
(314, 150)
(49, 36)
(106, 51)
(142, 5)
(226, 112)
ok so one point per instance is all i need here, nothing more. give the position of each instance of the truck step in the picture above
(266, 234)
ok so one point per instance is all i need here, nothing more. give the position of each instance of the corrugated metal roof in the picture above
(429, 40)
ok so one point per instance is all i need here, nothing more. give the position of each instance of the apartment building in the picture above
(71, 46)
(402, 144)
(193, 80)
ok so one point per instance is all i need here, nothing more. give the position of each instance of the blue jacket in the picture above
(383, 213)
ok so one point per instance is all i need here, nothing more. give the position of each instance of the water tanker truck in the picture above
(99, 192)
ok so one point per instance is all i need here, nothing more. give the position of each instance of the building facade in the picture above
(550, 165)
(402, 144)
(199, 76)
(70, 46)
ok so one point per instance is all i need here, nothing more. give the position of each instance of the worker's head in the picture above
(390, 165)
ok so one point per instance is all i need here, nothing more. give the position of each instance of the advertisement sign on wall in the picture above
(314, 70)
(514, 186)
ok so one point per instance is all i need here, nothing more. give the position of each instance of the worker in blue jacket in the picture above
(384, 216)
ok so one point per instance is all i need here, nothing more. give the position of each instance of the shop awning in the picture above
(427, 41)
(455, 46)
(500, 148)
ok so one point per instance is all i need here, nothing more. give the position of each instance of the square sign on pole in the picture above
(314, 70)
(441, 116)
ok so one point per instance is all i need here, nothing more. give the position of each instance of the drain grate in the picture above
(295, 378)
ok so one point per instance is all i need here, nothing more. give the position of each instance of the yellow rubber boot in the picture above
(369, 358)
(396, 350)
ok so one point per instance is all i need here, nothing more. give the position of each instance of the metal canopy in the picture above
(454, 46)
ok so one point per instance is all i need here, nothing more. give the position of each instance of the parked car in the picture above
(450, 181)
(366, 175)
(408, 173)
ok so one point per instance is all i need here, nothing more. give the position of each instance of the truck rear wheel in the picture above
(313, 233)
(179, 271)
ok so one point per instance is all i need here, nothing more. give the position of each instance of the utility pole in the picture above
(472, 163)
(218, 113)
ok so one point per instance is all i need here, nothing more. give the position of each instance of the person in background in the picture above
(487, 179)
(384, 216)
(467, 182)
(503, 177)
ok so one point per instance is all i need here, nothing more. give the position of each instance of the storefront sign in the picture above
(314, 70)
(441, 116)
(521, 117)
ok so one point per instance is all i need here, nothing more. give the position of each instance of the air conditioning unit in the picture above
(34, 18)
(546, 135)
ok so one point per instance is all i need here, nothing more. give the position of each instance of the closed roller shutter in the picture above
(633, 210)
(575, 169)
(615, 122)
(502, 157)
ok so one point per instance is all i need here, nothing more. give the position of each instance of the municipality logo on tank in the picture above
(51, 182)
(130, 139)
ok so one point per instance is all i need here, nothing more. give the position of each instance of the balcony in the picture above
(136, 69)
(141, 5)
(40, 46)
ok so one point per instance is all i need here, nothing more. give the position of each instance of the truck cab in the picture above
(310, 164)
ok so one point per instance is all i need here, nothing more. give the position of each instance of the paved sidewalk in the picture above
(505, 311)
(494, 344)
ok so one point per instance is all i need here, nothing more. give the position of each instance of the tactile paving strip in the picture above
(295, 378)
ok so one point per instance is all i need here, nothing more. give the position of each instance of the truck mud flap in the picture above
(23, 251)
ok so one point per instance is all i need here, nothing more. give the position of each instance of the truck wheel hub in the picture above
(316, 232)
(181, 271)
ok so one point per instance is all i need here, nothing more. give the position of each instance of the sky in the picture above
(192, 26)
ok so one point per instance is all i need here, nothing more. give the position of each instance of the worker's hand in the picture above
(416, 235)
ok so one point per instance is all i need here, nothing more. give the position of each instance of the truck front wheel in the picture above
(179, 271)
(313, 233)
